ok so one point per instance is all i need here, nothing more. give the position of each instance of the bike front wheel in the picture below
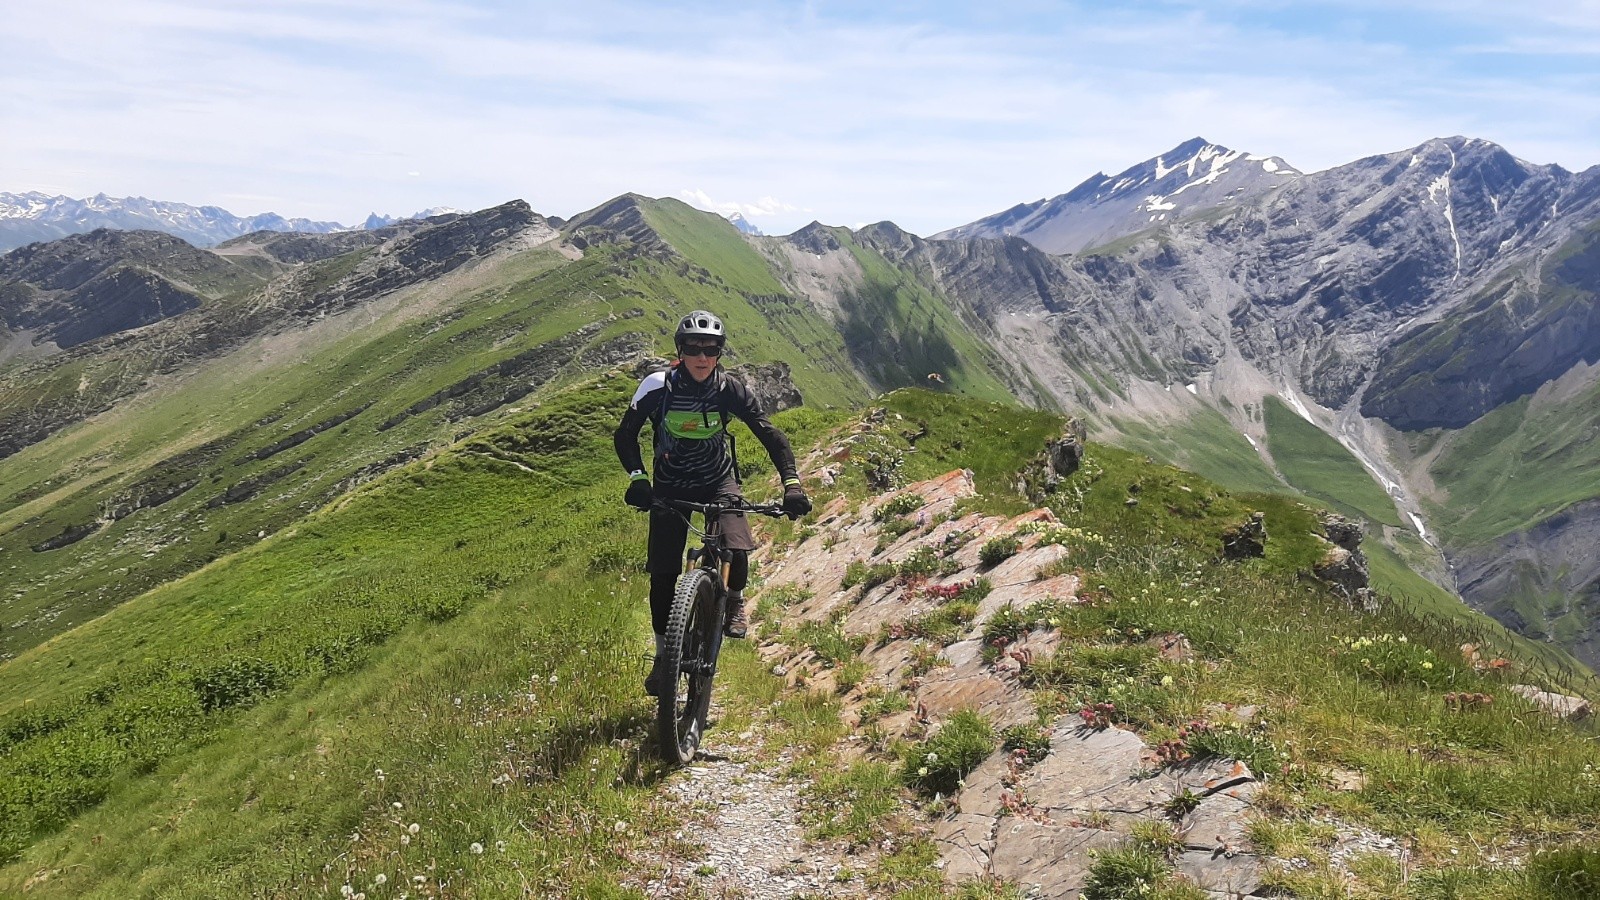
(689, 660)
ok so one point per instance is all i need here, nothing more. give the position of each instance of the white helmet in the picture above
(700, 324)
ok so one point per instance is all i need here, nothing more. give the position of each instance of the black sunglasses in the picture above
(693, 350)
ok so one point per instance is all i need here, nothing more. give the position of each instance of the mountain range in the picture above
(1410, 338)
(32, 216)
(317, 579)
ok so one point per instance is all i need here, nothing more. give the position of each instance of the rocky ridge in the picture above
(1031, 822)
(297, 299)
(71, 291)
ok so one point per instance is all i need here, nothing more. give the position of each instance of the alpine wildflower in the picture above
(476, 848)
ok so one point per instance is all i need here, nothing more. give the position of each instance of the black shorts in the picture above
(669, 530)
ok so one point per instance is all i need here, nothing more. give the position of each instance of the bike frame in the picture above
(694, 656)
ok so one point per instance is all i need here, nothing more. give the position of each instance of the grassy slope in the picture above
(763, 323)
(386, 365)
(1208, 445)
(494, 635)
(1517, 466)
(1315, 463)
(1460, 786)
(1205, 443)
(900, 332)
(364, 626)
(538, 297)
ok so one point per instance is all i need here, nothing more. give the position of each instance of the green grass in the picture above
(899, 332)
(499, 642)
(439, 626)
(262, 393)
(1205, 443)
(992, 439)
(1318, 465)
(1517, 466)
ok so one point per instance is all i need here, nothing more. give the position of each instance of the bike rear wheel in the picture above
(688, 659)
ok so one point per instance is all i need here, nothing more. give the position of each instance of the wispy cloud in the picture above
(335, 109)
(766, 206)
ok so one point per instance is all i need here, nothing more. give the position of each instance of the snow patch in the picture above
(1269, 166)
(1297, 406)
(1190, 388)
(1158, 202)
(1252, 442)
(1417, 521)
(1208, 178)
(1443, 183)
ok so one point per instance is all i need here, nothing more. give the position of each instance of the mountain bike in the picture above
(694, 629)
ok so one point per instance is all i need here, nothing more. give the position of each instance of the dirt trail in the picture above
(742, 814)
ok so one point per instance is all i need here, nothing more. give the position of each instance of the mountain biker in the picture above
(688, 407)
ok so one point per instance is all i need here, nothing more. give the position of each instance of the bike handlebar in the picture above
(774, 510)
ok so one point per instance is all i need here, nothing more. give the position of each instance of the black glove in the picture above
(795, 501)
(639, 494)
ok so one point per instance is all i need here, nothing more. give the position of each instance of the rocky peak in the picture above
(816, 238)
(889, 239)
(1193, 176)
(620, 220)
(744, 225)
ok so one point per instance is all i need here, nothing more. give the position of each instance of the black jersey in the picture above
(691, 428)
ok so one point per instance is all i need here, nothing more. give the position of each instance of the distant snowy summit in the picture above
(744, 225)
(1191, 176)
(375, 221)
(33, 216)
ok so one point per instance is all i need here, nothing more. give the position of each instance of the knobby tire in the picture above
(694, 635)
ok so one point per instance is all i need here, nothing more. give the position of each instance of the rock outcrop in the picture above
(1034, 822)
(1562, 706)
(1060, 458)
(1344, 565)
(1247, 540)
(771, 383)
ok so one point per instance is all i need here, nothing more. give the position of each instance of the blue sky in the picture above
(927, 114)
